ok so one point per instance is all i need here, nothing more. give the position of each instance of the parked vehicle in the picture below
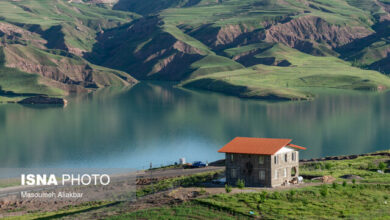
(198, 164)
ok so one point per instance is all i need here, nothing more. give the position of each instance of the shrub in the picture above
(228, 188)
(276, 195)
(324, 191)
(334, 185)
(317, 166)
(263, 197)
(328, 166)
(353, 181)
(292, 194)
(240, 183)
(382, 166)
(344, 183)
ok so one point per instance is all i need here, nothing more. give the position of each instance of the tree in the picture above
(382, 166)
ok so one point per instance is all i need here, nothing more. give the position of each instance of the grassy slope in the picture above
(216, 70)
(252, 13)
(20, 82)
(47, 13)
(365, 167)
(293, 82)
(276, 82)
(78, 24)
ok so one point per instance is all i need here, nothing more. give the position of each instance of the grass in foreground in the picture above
(365, 166)
(184, 181)
(363, 201)
(66, 211)
(186, 211)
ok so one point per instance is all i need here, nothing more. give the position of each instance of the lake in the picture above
(159, 123)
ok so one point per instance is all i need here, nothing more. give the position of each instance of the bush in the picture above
(328, 166)
(276, 195)
(324, 190)
(334, 185)
(344, 183)
(240, 183)
(353, 181)
(228, 188)
(382, 166)
(263, 197)
(292, 194)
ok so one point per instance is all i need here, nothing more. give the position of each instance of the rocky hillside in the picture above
(47, 40)
(249, 48)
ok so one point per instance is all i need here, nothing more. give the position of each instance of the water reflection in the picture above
(160, 123)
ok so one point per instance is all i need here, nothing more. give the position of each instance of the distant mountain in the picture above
(248, 48)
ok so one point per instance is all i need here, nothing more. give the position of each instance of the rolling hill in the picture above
(248, 48)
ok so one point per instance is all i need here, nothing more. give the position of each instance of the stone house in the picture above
(261, 162)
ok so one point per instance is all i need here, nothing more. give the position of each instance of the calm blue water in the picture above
(159, 123)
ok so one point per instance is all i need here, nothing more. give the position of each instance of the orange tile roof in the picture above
(296, 146)
(265, 146)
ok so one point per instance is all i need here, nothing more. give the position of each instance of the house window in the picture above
(234, 173)
(276, 159)
(293, 171)
(231, 157)
(261, 159)
(276, 174)
(285, 157)
(262, 175)
(293, 156)
(285, 172)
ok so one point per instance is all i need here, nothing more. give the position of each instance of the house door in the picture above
(248, 173)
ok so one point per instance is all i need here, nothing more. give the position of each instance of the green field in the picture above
(292, 82)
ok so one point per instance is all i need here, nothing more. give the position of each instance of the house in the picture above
(261, 162)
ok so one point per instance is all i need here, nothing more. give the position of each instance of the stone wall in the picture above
(248, 168)
(283, 166)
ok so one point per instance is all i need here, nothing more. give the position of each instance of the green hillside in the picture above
(289, 82)
(249, 48)
(42, 44)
